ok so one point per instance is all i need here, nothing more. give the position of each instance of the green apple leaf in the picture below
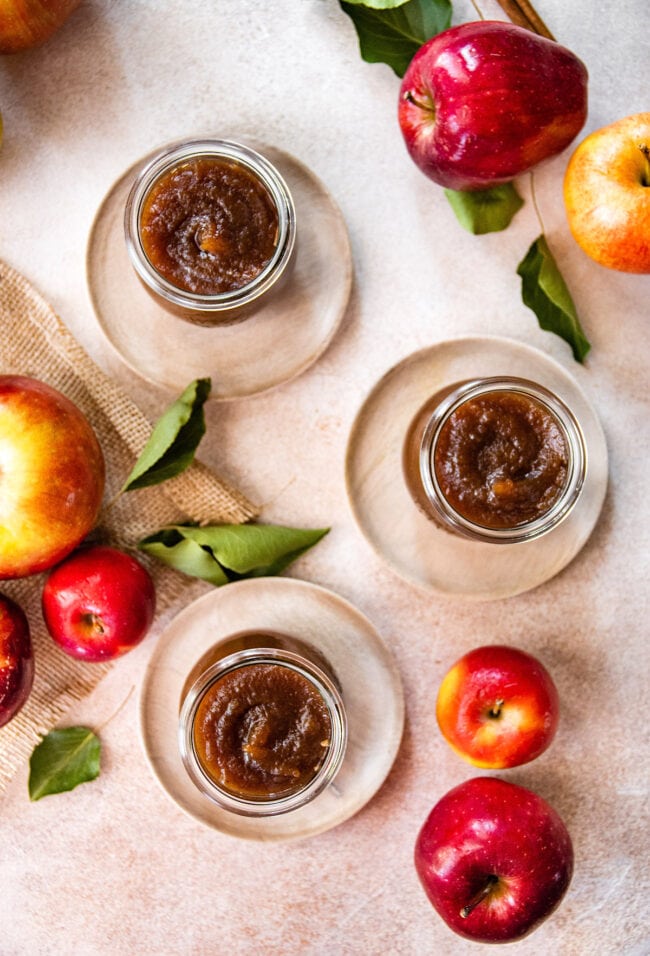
(62, 760)
(174, 439)
(485, 210)
(393, 34)
(223, 553)
(544, 291)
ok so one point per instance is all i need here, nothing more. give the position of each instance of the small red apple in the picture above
(98, 603)
(498, 707)
(16, 659)
(51, 476)
(482, 102)
(607, 194)
(28, 23)
(494, 859)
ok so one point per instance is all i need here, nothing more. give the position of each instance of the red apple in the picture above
(28, 23)
(98, 603)
(16, 659)
(51, 476)
(482, 102)
(494, 859)
(498, 707)
(607, 194)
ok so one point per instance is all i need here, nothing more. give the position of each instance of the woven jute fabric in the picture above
(34, 342)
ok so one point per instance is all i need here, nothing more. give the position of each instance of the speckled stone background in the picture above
(114, 868)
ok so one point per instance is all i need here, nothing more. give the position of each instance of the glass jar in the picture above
(240, 300)
(253, 711)
(500, 460)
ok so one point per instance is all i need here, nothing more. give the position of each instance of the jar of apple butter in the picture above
(262, 725)
(210, 229)
(496, 459)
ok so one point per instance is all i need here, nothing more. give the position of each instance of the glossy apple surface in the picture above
(98, 603)
(482, 102)
(51, 476)
(16, 659)
(498, 707)
(607, 194)
(28, 23)
(494, 859)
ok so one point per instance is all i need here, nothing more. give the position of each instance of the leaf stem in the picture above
(107, 507)
(535, 205)
(116, 712)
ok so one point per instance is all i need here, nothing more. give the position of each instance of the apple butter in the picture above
(501, 459)
(498, 459)
(209, 225)
(261, 731)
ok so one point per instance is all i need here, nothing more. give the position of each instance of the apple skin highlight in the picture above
(483, 102)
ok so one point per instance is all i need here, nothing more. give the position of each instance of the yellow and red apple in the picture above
(51, 476)
(28, 23)
(498, 707)
(607, 194)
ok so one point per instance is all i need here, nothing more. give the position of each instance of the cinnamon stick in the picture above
(523, 13)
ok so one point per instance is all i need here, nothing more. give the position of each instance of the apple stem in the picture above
(480, 896)
(496, 710)
(408, 96)
(93, 621)
(645, 149)
(478, 10)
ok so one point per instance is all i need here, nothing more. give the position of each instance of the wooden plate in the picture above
(282, 339)
(370, 685)
(417, 548)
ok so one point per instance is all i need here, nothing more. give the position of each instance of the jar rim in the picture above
(176, 153)
(575, 445)
(326, 688)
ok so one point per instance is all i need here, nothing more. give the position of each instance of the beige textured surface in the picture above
(114, 868)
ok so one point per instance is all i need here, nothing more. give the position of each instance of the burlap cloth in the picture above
(33, 341)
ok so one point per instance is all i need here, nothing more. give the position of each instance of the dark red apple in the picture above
(16, 659)
(494, 859)
(51, 476)
(98, 603)
(28, 23)
(483, 102)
